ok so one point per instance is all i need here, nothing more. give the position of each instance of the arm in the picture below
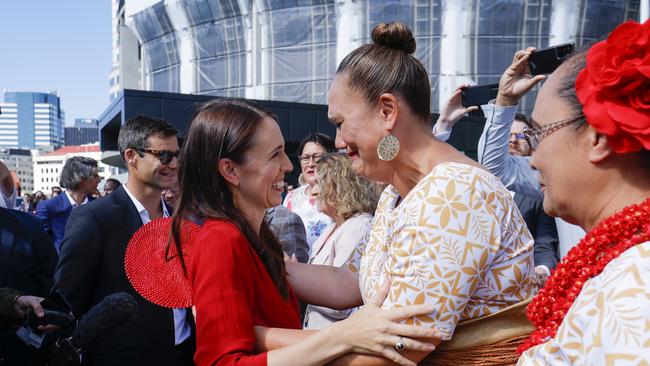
(41, 213)
(76, 272)
(225, 291)
(46, 258)
(417, 347)
(336, 288)
(7, 188)
(452, 111)
(8, 314)
(514, 172)
(296, 235)
(352, 240)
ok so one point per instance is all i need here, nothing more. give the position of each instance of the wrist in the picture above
(503, 100)
(337, 339)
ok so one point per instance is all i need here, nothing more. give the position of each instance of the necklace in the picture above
(606, 241)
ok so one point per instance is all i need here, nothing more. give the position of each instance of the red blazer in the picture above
(232, 293)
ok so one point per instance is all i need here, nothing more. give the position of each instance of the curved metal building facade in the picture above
(288, 50)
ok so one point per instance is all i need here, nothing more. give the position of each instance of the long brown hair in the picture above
(223, 129)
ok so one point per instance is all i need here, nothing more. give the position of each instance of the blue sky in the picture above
(64, 45)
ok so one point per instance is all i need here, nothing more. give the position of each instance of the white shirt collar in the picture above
(73, 203)
(144, 214)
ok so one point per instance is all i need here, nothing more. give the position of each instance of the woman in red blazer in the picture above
(231, 170)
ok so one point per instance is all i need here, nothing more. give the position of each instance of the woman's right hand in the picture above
(375, 331)
(516, 81)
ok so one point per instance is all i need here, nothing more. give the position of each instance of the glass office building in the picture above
(288, 50)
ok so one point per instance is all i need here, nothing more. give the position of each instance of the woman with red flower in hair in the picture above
(592, 151)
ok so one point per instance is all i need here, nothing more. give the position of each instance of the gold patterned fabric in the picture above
(609, 322)
(457, 241)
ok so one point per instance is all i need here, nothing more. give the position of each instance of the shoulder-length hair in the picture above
(348, 193)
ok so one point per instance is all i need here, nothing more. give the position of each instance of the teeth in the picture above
(278, 185)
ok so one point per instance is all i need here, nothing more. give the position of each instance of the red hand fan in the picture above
(154, 272)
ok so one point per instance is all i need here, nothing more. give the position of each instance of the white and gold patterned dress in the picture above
(609, 322)
(457, 241)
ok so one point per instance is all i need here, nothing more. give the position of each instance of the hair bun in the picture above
(394, 35)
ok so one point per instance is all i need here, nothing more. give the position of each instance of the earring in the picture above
(388, 148)
(235, 197)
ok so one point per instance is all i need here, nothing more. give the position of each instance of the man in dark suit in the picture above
(27, 262)
(80, 178)
(290, 231)
(544, 231)
(92, 253)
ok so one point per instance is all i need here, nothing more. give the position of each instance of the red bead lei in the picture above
(606, 241)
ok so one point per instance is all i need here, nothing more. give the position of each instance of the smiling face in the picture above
(261, 174)
(358, 130)
(308, 160)
(149, 170)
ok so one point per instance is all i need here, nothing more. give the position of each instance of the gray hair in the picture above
(75, 170)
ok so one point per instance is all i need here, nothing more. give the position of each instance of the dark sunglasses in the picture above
(165, 156)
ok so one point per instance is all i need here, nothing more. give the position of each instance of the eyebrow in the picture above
(277, 148)
(534, 123)
(335, 119)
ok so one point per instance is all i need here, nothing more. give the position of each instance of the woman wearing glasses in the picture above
(302, 200)
(592, 151)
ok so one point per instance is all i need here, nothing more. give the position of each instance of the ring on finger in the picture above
(399, 345)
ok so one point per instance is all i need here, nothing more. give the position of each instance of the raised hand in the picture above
(516, 81)
(452, 111)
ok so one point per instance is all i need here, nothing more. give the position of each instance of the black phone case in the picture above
(478, 95)
(546, 61)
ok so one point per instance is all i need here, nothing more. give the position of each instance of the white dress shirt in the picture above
(182, 329)
(73, 203)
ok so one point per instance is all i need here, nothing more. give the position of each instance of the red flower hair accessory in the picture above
(614, 87)
(155, 273)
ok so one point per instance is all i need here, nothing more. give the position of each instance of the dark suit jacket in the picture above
(290, 231)
(543, 229)
(27, 262)
(92, 266)
(54, 213)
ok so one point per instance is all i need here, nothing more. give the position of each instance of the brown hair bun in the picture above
(394, 35)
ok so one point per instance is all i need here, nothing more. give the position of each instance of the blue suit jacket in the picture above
(54, 213)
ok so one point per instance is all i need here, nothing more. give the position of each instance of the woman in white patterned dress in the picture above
(592, 150)
(446, 232)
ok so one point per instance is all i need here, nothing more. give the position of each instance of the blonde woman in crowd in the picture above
(350, 200)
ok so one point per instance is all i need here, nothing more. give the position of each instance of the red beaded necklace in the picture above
(606, 241)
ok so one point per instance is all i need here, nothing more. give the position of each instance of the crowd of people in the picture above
(395, 248)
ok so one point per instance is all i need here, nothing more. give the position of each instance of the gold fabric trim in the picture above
(508, 323)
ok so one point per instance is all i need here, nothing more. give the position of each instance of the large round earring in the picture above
(388, 148)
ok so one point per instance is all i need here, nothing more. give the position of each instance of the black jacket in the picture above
(27, 261)
(543, 229)
(92, 266)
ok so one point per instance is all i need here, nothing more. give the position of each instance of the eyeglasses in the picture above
(534, 136)
(304, 159)
(519, 136)
(165, 156)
